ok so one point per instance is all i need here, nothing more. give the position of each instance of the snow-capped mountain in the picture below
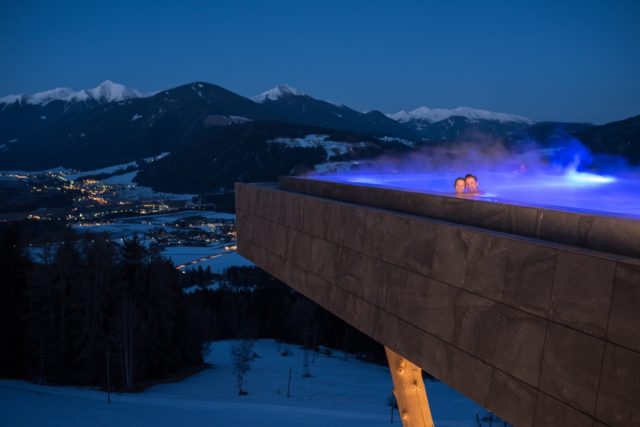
(432, 115)
(39, 131)
(108, 91)
(277, 93)
(105, 92)
(91, 134)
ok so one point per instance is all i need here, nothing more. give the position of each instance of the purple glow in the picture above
(573, 191)
(562, 176)
(588, 178)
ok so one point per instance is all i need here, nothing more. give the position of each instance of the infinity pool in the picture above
(573, 191)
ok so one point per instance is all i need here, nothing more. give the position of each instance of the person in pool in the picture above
(459, 185)
(471, 184)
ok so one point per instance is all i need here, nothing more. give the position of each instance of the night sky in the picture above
(561, 60)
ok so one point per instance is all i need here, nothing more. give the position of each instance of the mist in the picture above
(559, 172)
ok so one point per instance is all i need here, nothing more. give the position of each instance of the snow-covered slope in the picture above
(106, 91)
(332, 148)
(340, 391)
(43, 98)
(432, 115)
(277, 93)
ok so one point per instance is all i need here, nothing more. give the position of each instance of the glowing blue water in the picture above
(573, 191)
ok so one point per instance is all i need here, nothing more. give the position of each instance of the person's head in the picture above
(459, 185)
(471, 182)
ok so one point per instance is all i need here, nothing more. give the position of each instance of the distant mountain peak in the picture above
(10, 99)
(108, 91)
(105, 92)
(432, 115)
(41, 98)
(278, 92)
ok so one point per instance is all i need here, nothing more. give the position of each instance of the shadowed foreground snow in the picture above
(340, 392)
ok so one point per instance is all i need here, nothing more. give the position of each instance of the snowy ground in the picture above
(127, 227)
(341, 392)
(131, 191)
(161, 219)
(139, 192)
(214, 256)
(109, 169)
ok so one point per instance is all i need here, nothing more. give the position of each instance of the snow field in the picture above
(341, 391)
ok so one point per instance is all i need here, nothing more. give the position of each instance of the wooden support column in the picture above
(410, 392)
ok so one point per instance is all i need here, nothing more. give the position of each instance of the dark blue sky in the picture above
(555, 60)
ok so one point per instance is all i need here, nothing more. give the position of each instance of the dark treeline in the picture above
(85, 309)
(88, 303)
(256, 305)
(197, 276)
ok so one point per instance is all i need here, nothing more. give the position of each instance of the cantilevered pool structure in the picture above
(530, 309)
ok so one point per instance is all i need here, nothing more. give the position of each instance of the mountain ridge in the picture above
(432, 115)
(107, 91)
(89, 135)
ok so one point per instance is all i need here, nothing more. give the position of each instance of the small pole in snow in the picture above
(289, 383)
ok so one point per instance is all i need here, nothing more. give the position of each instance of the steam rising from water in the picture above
(566, 176)
(586, 178)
